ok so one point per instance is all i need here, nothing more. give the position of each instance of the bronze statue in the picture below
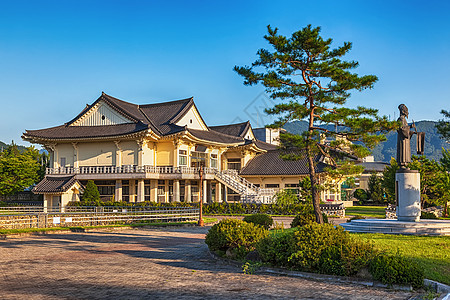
(404, 135)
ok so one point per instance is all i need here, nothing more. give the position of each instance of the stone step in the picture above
(437, 227)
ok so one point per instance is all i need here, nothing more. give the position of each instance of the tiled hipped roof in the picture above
(238, 130)
(55, 184)
(270, 163)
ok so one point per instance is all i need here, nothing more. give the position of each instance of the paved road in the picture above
(167, 263)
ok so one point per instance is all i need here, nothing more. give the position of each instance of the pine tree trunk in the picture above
(314, 183)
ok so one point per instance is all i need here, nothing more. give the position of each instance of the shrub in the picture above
(396, 269)
(356, 218)
(360, 194)
(307, 216)
(428, 215)
(91, 193)
(286, 197)
(317, 248)
(263, 220)
(238, 236)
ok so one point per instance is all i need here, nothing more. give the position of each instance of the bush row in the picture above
(313, 248)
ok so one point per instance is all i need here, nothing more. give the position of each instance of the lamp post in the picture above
(200, 197)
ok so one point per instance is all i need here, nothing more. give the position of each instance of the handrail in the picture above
(126, 169)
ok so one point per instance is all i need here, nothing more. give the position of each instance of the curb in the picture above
(437, 286)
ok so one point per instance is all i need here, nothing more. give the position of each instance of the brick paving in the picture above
(163, 263)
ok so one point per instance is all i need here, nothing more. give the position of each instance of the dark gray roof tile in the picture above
(55, 184)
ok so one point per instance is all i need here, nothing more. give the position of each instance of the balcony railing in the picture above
(126, 169)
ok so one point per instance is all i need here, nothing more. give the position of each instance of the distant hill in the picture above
(384, 151)
(4, 146)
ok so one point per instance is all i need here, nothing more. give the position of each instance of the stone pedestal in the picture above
(407, 184)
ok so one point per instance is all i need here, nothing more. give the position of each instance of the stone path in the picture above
(164, 263)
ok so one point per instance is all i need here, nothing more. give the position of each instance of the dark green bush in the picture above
(306, 216)
(428, 215)
(263, 220)
(235, 235)
(396, 269)
(360, 194)
(317, 248)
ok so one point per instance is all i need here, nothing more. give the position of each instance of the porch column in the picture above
(225, 194)
(209, 192)
(188, 197)
(219, 192)
(176, 190)
(140, 190)
(45, 204)
(154, 190)
(132, 191)
(118, 191)
(205, 191)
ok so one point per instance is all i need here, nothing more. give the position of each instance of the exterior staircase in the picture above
(249, 192)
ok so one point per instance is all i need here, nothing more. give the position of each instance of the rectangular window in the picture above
(182, 190)
(272, 186)
(170, 190)
(214, 161)
(292, 185)
(182, 157)
(234, 164)
(63, 162)
(161, 191)
(198, 159)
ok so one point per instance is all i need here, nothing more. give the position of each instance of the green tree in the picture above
(388, 181)
(18, 170)
(286, 197)
(443, 125)
(314, 83)
(91, 193)
(376, 191)
(430, 176)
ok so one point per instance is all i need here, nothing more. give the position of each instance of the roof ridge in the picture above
(149, 121)
(220, 133)
(167, 102)
(230, 124)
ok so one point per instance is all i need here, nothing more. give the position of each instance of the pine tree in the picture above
(313, 84)
(91, 193)
(443, 126)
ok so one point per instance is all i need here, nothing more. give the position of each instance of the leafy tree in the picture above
(376, 191)
(315, 83)
(18, 170)
(388, 181)
(305, 189)
(360, 194)
(443, 126)
(91, 193)
(286, 197)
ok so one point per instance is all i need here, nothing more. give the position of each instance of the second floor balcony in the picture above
(130, 170)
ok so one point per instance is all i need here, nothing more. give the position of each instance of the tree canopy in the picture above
(20, 169)
(443, 125)
(312, 83)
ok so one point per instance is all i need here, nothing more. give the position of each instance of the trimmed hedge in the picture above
(234, 235)
(306, 218)
(394, 268)
(262, 220)
(317, 248)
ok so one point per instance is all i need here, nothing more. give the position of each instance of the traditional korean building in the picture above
(153, 152)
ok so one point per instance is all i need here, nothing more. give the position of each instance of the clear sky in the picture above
(57, 56)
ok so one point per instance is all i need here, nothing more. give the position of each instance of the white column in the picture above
(176, 190)
(154, 190)
(219, 192)
(140, 190)
(188, 197)
(118, 191)
(132, 191)
(205, 191)
(140, 152)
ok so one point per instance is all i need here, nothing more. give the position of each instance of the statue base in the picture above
(407, 186)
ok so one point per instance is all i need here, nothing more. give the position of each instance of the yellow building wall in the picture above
(67, 151)
(165, 154)
(96, 154)
(129, 153)
(148, 154)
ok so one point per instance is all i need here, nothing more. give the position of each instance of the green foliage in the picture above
(443, 126)
(317, 248)
(250, 267)
(388, 181)
(306, 216)
(19, 170)
(376, 190)
(262, 220)
(238, 236)
(91, 193)
(286, 197)
(427, 215)
(360, 194)
(396, 269)
(315, 83)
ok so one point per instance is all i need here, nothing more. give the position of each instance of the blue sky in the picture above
(57, 56)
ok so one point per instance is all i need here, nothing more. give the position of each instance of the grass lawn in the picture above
(433, 253)
(366, 211)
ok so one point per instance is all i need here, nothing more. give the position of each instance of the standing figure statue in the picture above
(404, 135)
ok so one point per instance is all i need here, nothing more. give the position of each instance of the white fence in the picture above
(93, 216)
(127, 169)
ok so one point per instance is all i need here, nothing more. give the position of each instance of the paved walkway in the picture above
(165, 263)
